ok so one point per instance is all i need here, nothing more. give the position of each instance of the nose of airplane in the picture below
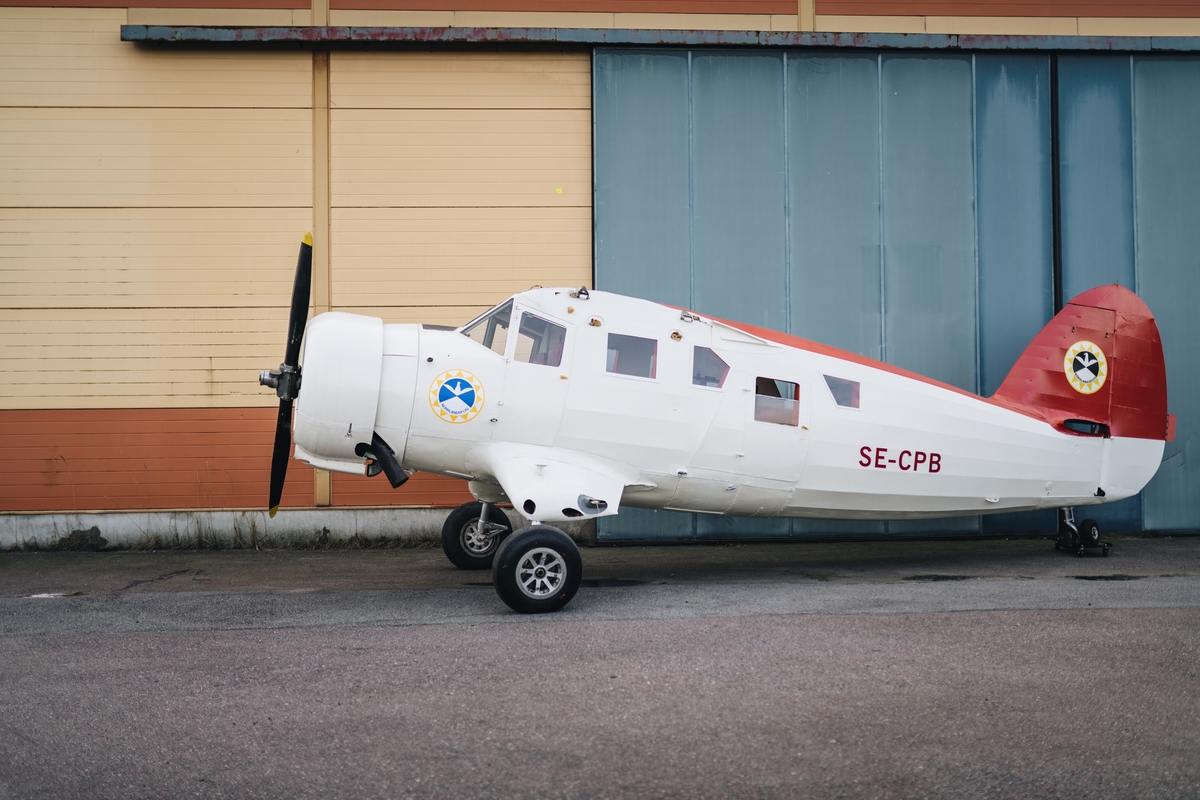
(343, 366)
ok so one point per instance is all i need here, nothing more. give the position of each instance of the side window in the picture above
(632, 355)
(540, 341)
(707, 368)
(845, 393)
(777, 401)
(491, 330)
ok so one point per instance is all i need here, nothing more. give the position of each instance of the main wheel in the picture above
(468, 541)
(537, 569)
(1089, 533)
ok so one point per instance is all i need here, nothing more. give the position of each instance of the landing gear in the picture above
(537, 569)
(1077, 538)
(473, 533)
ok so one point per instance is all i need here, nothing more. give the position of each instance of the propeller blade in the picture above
(281, 454)
(301, 290)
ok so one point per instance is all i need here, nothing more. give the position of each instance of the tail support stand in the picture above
(1077, 538)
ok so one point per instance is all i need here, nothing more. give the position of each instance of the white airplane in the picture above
(572, 404)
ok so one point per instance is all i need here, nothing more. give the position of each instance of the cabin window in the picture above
(540, 341)
(777, 401)
(707, 368)
(845, 393)
(632, 355)
(491, 330)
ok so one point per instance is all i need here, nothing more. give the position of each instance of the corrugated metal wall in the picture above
(898, 206)
(1130, 167)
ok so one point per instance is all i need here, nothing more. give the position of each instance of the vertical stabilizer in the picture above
(1096, 368)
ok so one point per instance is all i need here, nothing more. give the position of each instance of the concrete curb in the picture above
(232, 529)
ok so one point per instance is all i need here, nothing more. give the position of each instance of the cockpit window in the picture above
(777, 401)
(707, 368)
(491, 330)
(540, 341)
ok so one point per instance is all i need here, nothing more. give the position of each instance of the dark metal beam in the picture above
(353, 36)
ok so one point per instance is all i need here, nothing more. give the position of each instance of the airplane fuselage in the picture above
(632, 389)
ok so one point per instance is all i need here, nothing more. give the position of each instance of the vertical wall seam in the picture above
(787, 203)
(975, 214)
(694, 521)
(887, 525)
(1133, 191)
(1056, 254)
(1133, 174)
(595, 233)
(691, 192)
(882, 255)
(322, 252)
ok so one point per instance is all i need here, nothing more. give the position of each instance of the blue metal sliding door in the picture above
(900, 206)
(1130, 169)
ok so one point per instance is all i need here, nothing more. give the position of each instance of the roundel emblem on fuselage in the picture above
(456, 396)
(1086, 367)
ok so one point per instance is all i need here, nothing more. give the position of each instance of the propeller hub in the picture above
(285, 381)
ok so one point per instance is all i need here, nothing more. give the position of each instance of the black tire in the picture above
(461, 541)
(1089, 533)
(537, 570)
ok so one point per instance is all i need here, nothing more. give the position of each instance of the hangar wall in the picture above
(901, 206)
(152, 199)
(152, 206)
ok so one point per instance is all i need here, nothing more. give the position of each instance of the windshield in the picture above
(491, 330)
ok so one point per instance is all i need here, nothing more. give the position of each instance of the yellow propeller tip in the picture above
(308, 239)
(271, 513)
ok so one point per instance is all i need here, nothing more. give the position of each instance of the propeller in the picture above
(286, 380)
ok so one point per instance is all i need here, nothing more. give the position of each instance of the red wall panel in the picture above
(196, 458)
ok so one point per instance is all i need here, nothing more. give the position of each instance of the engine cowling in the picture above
(339, 395)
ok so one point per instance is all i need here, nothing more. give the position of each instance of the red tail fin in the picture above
(1098, 362)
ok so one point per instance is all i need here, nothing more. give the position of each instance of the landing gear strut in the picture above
(1077, 537)
(473, 533)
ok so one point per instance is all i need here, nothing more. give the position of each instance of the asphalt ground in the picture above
(903, 669)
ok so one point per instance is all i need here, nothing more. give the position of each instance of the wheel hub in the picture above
(479, 538)
(541, 572)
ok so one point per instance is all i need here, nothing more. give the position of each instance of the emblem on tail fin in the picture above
(1086, 367)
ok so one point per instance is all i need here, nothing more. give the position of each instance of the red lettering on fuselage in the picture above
(908, 461)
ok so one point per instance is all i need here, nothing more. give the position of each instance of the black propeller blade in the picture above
(286, 380)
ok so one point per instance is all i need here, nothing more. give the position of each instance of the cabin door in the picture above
(535, 382)
(775, 436)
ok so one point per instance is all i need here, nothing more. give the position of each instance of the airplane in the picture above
(572, 404)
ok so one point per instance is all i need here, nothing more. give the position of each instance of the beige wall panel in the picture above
(389, 19)
(75, 57)
(473, 157)
(1091, 26)
(219, 17)
(155, 157)
(112, 258)
(461, 80)
(846, 24)
(532, 19)
(109, 358)
(694, 22)
(453, 316)
(456, 257)
(1004, 26)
